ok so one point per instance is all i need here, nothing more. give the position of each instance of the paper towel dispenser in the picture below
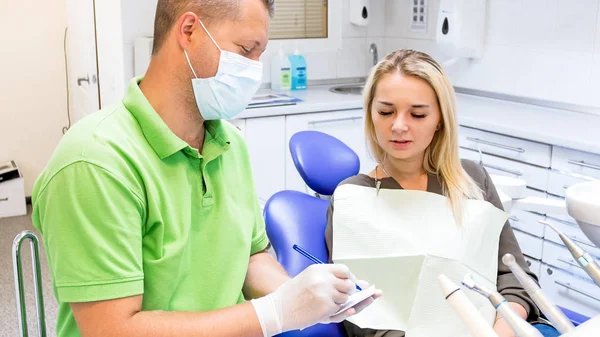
(461, 27)
(359, 12)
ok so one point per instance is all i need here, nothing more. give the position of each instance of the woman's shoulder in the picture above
(475, 171)
(360, 180)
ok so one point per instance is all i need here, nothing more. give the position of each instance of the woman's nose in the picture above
(400, 125)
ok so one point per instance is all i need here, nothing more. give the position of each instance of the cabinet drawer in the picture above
(505, 146)
(561, 214)
(559, 182)
(535, 177)
(570, 291)
(573, 232)
(573, 161)
(12, 198)
(530, 245)
(558, 256)
(534, 265)
(527, 222)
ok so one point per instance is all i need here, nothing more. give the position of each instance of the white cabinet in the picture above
(530, 245)
(505, 146)
(573, 232)
(527, 222)
(570, 291)
(535, 176)
(578, 162)
(346, 126)
(558, 256)
(12, 198)
(558, 182)
(265, 138)
(548, 171)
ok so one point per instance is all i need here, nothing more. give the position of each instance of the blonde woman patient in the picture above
(412, 131)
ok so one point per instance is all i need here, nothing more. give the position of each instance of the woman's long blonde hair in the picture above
(442, 155)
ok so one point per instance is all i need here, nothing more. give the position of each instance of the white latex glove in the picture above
(312, 297)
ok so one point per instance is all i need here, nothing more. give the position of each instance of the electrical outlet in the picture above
(418, 15)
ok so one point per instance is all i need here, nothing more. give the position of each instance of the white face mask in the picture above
(227, 93)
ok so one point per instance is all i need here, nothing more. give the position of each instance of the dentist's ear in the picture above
(185, 27)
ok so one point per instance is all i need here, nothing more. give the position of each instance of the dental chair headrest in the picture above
(323, 161)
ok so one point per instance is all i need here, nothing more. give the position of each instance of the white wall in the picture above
(545, 49)
(352, 61)
(32, 83)
(137, 19)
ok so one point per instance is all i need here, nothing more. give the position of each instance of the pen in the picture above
(314, 259)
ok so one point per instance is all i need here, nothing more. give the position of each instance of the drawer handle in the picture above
(584, 164)
(502, 146)
(564, 222)
(513, 218)
(494, 167)
(568, 286)
(569, 263)
(574, 238)
(3, 199)
(345, 119)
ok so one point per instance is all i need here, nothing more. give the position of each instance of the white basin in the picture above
(583, 204)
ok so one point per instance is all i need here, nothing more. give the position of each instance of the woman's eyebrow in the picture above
(385, 103)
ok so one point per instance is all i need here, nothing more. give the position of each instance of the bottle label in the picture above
(286, 78)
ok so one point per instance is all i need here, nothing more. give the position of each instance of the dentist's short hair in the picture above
(168, 11)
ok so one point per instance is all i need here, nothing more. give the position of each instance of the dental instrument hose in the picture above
(520, 326)
(552, 312)
(467, 312)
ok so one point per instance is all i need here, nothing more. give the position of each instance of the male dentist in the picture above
(148, 209)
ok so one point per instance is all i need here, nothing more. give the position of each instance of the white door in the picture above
(81, 59)
(109, 37)
(346, 126)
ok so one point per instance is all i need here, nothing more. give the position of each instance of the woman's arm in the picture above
(507, 283)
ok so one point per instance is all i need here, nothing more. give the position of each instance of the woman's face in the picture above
(406, 116)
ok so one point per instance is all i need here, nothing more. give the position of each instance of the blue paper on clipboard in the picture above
(261, 101)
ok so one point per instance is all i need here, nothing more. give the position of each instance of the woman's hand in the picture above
(502, 328)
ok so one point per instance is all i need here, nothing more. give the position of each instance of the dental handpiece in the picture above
(467, 312)
(581, 256)
(552, 312)
(520, 327)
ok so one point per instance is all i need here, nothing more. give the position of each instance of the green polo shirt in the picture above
(125, 208)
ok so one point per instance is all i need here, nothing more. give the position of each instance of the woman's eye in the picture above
(385, 113)
(418, 116)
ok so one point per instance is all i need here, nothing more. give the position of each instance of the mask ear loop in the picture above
(190, 63)
(211, 38)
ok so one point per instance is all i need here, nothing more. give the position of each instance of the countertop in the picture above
(551, 126)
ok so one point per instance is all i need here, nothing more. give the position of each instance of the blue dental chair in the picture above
(294, 217)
